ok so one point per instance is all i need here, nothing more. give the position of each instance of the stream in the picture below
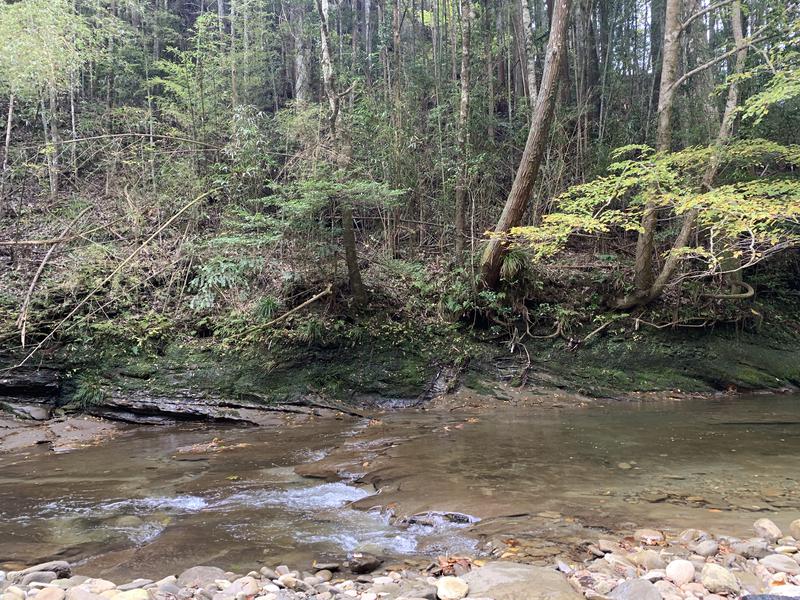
(152, 501)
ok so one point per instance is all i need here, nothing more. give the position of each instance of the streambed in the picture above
(154, 500)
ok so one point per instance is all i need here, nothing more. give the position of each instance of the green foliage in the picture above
(218, 275)
(42, 43)
(90, 390)
(757, 204)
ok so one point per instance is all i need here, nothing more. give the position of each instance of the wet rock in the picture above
(331, 566)
(781, 563)
(767, 529)
(717, 579)
(364, 563)
(60, 567)
(451, 588)
(680, 572)
(706, 548)
(635, 589)
(752, 548)
(200, 576)
(511, 581)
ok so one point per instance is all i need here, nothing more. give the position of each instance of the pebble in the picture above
(680, 572)
(451, 588)
(51, 593)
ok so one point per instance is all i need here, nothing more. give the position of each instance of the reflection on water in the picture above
(138, 506)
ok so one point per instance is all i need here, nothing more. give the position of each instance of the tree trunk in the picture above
(690, 218)
(328, 78)
(6, 148)
(530, 54)
(463, 130)
(643, 267)
(528, 168)
(300, 57)
(351, 258)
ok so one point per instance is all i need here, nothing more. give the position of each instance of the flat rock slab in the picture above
(511, 581)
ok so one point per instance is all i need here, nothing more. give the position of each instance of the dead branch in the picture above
(22, 320)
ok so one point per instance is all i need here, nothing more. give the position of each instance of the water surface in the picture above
(142, 505)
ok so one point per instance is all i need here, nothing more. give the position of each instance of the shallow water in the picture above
(137, 505)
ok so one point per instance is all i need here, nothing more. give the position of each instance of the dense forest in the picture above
(331, 171)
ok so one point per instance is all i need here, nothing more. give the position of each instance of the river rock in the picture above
(38, 577)
(717, 579)
(752, 548)
(635, 589)
(139, 583)
(650, 537)
(767, 529)
(81, 593)
(794, 529)
(512, 581)
(246, 585)
(781, 563)
(51, 593)
(137, 594)
(706, 548)
(364, 563)
(197, 577)
(451, 588)
(60, 567)
(680, 571)
(649, 559)
(13, 593)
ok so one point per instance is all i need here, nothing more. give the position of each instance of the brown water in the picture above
(138, 506)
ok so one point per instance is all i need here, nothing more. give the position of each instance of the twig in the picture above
(22, 320)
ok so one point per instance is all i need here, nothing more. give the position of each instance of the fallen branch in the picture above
(111, 276)
(22, 320)
(311, 300)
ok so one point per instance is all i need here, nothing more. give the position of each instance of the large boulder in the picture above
(512, 581)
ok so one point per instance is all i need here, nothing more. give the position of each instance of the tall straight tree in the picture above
(519, 196)
(643, 267)
(463, 129)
